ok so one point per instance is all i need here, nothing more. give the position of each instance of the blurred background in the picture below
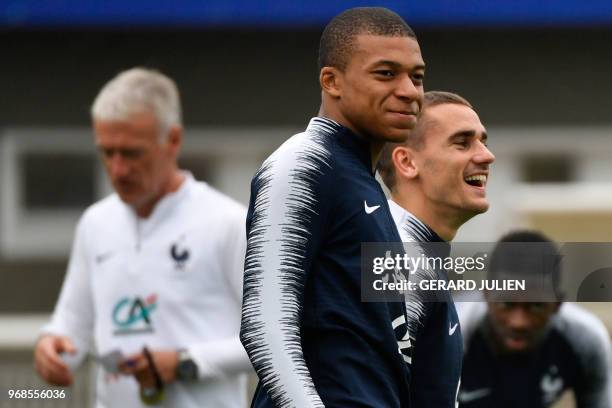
(537, 72)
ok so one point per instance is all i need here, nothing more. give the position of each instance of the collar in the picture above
(415, 227)
(166, 204)
(171, 200)
(357, 144)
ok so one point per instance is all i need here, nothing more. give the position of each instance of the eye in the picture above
(386, 73)
(462, 143)
(536, 307)
(131, 153)
(106, 153)
(502, 305)
(418, 77)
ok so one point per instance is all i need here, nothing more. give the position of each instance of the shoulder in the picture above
(101, 211)
(94, 226)
(299, 171)
(208, 210)
(586, 334)
(309, 151)
(208, 199)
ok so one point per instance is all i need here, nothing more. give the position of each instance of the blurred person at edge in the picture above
(527, 353)
(437, 179)
(156, 269)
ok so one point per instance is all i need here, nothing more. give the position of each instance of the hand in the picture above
(49, 363)
(137, 365)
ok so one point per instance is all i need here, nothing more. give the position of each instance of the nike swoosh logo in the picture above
(469, 396)
(451, 330)
(368, 209)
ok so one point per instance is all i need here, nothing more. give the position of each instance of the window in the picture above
(57, 180)
(540, 168)
(201, 166)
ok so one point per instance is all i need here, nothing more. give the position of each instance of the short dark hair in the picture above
(416, 139)
(528, 260)
(338, 39)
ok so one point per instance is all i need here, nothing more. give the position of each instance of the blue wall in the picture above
(287, 13)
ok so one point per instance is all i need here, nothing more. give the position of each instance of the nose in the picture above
(406, 89)
(518, 319)
(117, 166)
(484, 155)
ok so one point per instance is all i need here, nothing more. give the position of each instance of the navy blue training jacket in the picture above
(310, 338)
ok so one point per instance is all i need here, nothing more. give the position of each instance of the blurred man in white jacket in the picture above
(154, 284)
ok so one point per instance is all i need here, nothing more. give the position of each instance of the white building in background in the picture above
(558, 180)
(49, 176)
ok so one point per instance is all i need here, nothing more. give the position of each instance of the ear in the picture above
(404, 162)
(330, 79)
(174, 139)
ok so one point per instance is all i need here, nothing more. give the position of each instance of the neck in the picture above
(170, 186)
(376, 147)
(335, 115)
(444, 222)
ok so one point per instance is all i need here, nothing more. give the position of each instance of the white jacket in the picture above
(170, 281)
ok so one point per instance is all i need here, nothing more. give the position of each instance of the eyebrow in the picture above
(397, 65)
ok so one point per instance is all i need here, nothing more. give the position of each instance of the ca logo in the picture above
(134, 315)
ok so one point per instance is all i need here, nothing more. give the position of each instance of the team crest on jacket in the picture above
(179, 254)
(551, 385)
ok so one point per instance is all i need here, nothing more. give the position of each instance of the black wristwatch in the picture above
(186, 369)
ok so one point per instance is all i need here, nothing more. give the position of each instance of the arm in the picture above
(283, 231)
(224, 357)
(215, 359)
(71, 326)
(593, 389)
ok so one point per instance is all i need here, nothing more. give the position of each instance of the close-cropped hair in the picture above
(139, 90)
(529, 254)
(416, 138)
(338, 40)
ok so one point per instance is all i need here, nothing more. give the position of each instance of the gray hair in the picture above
(139, 90)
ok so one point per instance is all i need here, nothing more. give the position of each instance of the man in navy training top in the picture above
(313, 343)
(527, 353)
(437, 179)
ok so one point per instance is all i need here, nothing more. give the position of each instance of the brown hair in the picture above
(416, 139)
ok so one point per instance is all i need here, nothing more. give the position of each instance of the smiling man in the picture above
(437, 179)
(314, 201)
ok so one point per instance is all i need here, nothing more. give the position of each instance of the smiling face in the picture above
(380, 91)
(453, 163)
